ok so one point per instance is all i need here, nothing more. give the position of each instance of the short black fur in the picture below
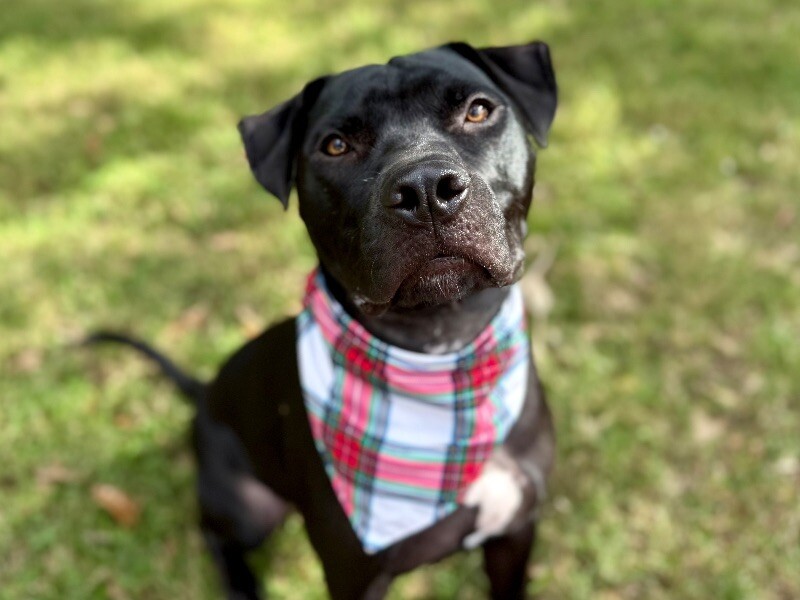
(426, 273)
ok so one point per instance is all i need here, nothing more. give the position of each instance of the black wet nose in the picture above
(428, 191)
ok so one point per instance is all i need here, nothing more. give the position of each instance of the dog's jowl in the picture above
(400, 413)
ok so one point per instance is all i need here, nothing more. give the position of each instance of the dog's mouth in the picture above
(442, 279)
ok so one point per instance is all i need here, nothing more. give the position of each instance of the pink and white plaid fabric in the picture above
(403, 434)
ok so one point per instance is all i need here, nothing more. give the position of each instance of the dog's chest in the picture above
(402, 434)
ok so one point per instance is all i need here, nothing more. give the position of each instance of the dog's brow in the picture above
(352, 124)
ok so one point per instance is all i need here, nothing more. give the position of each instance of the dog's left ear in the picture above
(272, 140)
(526, 74)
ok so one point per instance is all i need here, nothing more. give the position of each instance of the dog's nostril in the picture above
(426, 191)
(451, 186)
(405, 198)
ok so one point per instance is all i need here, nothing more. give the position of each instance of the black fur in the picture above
(419, 229)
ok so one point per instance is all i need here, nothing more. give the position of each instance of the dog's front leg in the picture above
(506, 562)
(229, 559)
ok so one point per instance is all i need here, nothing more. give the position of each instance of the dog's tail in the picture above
(190, 387)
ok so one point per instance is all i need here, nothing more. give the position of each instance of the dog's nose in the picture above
(428, 191)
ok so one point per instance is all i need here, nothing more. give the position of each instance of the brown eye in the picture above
(478, 112)
(335, 146)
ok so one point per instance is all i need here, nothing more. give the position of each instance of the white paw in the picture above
(497, 496)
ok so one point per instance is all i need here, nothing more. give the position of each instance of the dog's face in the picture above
(414, 177)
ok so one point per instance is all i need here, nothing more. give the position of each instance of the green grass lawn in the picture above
(669, 194)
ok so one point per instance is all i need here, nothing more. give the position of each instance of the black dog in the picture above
(414, 180)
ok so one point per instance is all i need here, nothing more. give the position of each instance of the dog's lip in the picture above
(445, 258)
(444, 261)
(371, 308)
(440, 262)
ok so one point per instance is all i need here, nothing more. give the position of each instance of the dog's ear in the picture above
(525, 73)
(272, 140)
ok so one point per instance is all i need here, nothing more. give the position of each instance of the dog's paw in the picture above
(498, 497)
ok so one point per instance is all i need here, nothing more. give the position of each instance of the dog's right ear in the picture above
(272, 140)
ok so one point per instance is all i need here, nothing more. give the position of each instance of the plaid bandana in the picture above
(403, 434)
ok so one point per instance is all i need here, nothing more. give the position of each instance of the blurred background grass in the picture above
(670, 191)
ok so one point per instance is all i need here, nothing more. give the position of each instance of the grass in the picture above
(671, 357)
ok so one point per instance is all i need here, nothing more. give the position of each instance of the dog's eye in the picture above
(478, 111)
(334, 146)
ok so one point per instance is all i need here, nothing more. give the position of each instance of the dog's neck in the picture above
(431, 329)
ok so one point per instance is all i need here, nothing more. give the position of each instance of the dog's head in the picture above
(414, 177)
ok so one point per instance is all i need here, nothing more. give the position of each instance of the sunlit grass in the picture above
(669, 192)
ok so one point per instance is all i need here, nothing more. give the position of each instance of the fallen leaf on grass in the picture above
(28, 361)
(124, 421)
(250, 321)
(192, 319)
(54, 474)
(122, 508)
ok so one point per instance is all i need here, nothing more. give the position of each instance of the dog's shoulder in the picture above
(256, 372)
